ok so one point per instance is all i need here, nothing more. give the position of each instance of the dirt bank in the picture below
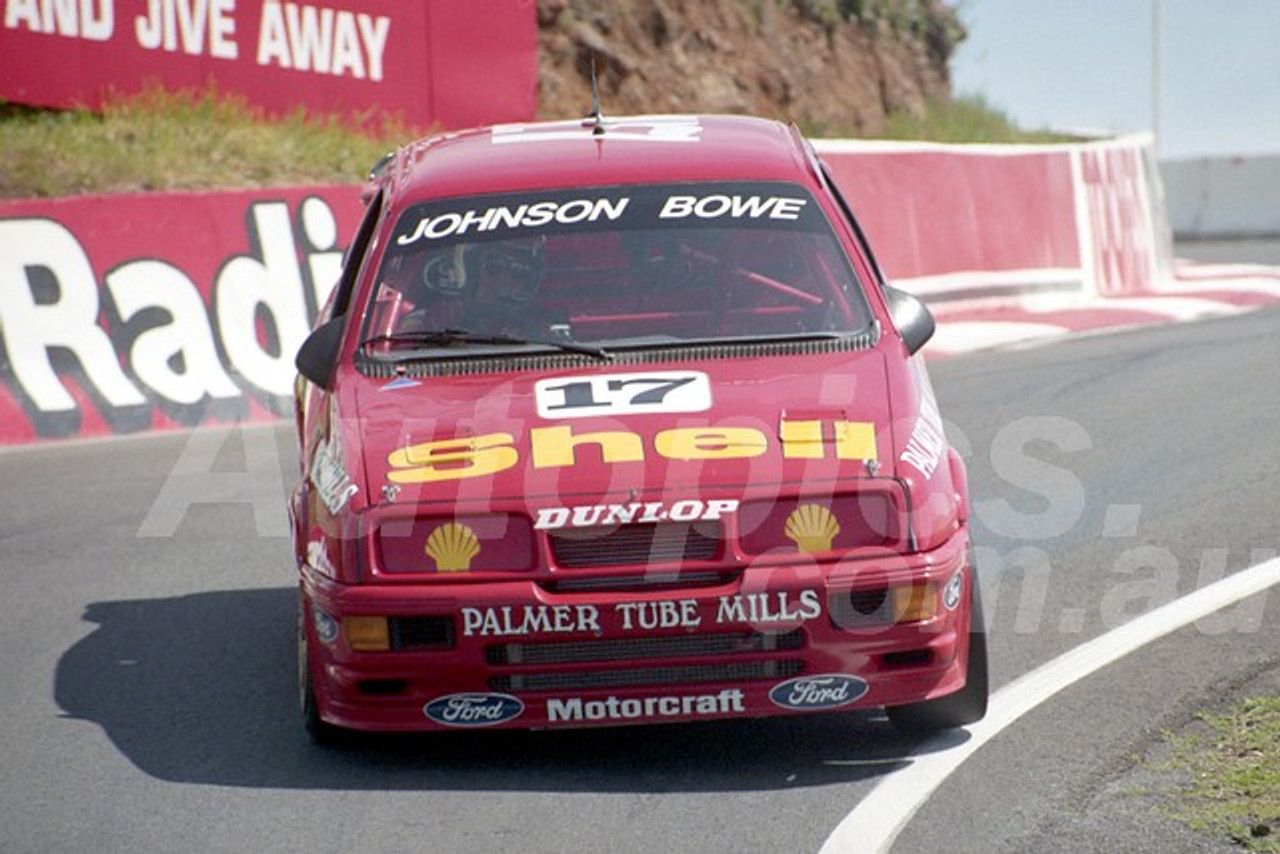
(831, 66)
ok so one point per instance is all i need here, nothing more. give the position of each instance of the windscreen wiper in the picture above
(450, 337)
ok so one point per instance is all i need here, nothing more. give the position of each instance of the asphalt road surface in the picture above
(147, 616)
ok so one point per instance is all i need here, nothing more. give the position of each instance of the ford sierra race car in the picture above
(618, 422)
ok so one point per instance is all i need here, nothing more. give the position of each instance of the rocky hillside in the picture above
(835, 67)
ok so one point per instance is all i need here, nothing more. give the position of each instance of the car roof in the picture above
(630, 150)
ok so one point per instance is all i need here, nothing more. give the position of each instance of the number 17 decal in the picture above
(623, 394)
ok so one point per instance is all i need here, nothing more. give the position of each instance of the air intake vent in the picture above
(639, 649)
(649, 677)
(445, 367)
(666, 542)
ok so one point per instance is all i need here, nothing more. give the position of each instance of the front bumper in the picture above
(776, 640)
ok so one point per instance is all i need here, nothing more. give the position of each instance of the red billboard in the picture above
(141, 312)
(444, 63)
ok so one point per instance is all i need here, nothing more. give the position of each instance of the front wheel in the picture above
(969, 704)
(322, 733)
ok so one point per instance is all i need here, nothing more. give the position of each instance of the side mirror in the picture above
(318, 355)
(914, 320)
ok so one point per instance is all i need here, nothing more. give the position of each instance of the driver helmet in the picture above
(501, 271)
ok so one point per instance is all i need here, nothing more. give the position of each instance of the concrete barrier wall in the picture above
(934, 213)
(1223, 197)
(122, 314)
(962, 221)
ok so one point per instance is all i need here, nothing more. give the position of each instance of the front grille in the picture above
(645, 677)
(648, 581)
(663, 542)
(410, 634)
(638, 649)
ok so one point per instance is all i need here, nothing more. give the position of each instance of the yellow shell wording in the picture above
(812, 528)
(452, 546)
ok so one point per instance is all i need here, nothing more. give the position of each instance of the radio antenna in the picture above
(596, 118)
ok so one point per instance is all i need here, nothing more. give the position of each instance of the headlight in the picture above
(445, 544)
(880, 606)
(326, 626)
(820, 525)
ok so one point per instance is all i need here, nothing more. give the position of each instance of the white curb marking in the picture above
(878, 818)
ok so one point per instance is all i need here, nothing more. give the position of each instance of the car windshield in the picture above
(615, 267)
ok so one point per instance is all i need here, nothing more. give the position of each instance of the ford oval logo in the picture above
(829, 691)
(473, 710)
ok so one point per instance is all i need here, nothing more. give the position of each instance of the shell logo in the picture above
(812, 527)
(452, 546)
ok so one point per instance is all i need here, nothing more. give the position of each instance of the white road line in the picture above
(878, 818)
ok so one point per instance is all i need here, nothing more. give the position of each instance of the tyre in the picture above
(321, 733)
(969, 704)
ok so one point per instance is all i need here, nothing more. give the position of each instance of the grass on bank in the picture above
(1234, 775)
(200, 140)
(968, 118)
(179, 141)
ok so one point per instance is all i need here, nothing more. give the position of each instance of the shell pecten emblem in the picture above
(812, 527)
(452, 546)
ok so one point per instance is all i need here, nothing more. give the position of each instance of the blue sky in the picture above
(1087, 65)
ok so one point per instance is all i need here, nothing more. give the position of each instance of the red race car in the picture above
(617, 422)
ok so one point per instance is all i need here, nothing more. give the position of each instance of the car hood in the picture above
(669, 430)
